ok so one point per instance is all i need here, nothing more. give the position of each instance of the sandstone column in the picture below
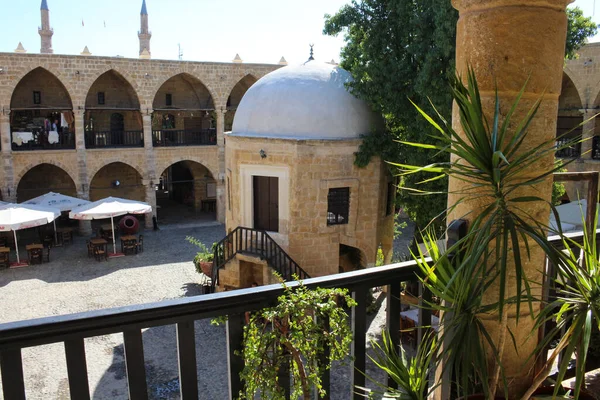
(9, 191)
(83, 191)
(505, 42)
(150, 199)
(221, 178)
(150, 166)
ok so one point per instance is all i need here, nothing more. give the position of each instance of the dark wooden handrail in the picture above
(258, 243)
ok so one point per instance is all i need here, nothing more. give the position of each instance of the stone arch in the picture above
(130, 86)
(57, 73)
(570, 98)
(238, 90)
(93, 171)
(54, 93)
(203, 81)
(130, 178)
(72, 174)
(43, 178)
(192, 84)
(160, 168)
(351, 258)
(187, 189)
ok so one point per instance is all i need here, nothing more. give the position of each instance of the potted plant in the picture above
(490, 157)
(203, 260)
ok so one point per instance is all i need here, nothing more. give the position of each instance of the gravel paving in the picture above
(72, 282)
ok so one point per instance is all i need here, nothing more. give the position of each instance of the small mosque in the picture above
(290, 172)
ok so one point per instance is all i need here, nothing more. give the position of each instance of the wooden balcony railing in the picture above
(71, 330)
(106, 139)
(184, 137)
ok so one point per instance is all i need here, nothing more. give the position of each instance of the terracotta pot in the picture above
(129, 225)
(206, 267)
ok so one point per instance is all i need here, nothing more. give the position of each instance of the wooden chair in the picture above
(129, 247)
(67, 237)
(90, 249)
(3, 242)
(46, 254)
(4, 260)
(48, 240)
(100, 254)
(140, 244)
(35, 256)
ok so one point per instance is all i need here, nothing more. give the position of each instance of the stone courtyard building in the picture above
(580, 101)
(290, 171)
(142, 129)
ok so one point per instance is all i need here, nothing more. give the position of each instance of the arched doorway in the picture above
(569, 120)
(112, 113)
(41, 114)
(44, 178)
(183, 113)
(351, 259)
(235, 97)
(118, 180)
(186, 191)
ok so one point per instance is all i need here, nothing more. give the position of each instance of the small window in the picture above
(389, 207)
(169, 99)
(101, 99)
(338, 205)
(37, 97)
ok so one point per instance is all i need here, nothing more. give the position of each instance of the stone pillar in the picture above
(506, 42)
(221, 192)
(150, 166)
(83, 190)
(9, 191)
(150, 199)
(588, 133)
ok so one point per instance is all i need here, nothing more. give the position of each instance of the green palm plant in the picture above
(576, 309)
(411, 374)
(494, 160)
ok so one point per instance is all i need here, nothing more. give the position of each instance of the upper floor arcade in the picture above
(69, 102)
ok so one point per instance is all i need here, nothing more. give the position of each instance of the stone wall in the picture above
(312, 167)
(134, 83)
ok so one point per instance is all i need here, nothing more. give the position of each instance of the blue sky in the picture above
(208, 30)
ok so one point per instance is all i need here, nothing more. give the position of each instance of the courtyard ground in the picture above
(72, 282)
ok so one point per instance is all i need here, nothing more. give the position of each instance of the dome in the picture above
(307, 101)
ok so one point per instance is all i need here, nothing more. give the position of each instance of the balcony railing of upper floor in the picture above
(113, 139)
(42, 140)
(71, 330)
(184, 137)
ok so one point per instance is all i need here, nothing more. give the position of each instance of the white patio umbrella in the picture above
(57, 200)
(14, 217)
(110, 207)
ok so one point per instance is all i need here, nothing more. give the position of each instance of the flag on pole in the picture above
(82, 24)
(105, 24)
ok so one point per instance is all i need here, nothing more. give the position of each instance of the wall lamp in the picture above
(116, 184)
(77, 72)
(2, 70)
(262, 153)
(146, 75)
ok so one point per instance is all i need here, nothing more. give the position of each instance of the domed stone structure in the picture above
(307, 101)
(290, 173)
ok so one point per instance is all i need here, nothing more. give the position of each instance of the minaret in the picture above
(144, 34)
(45, 31)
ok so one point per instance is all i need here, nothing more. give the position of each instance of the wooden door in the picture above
(266, 203)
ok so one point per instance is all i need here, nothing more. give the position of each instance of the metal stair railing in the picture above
(256, 243)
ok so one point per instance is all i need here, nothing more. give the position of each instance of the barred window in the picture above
(37, 97)
(101, 98)
(169, 99)
(338, 205)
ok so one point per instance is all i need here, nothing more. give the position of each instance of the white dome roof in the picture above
(307, 101)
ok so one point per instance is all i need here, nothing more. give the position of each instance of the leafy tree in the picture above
(401, 50)
(579, 28)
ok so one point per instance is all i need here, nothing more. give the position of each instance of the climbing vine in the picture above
(296, 331)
